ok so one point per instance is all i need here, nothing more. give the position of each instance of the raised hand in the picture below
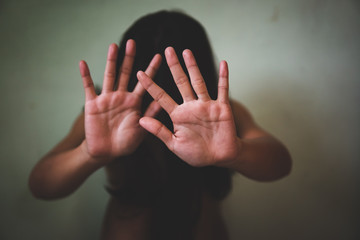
(112, 119)
(204, 129)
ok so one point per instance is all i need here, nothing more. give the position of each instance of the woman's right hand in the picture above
(112, 119)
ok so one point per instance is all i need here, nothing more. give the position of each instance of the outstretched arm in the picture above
(65, 167)
(205, 130)
(108, 129)
(263, 157)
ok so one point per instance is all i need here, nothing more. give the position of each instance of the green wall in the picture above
(294, 64)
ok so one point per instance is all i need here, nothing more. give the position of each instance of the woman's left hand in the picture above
(204, 129)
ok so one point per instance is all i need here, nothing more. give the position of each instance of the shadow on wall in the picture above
(357, 5)
(320, 194)
(287, 109)
(305, 119)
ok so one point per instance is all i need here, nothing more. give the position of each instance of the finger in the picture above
(179, 75)
(110, 68)
(197, 81)
(223, 85)
(158, 94)
(127, 65)
(150, 71)
(153, 109)
(87, 81)
(158, 129)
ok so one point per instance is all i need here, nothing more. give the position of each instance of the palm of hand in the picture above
(112, 124)
(112, 119)
(204, 129)
(204, 132)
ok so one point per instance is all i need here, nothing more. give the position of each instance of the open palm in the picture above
(204, 129)
(112, 119)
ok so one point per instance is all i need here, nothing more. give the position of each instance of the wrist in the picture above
(235, 160)
(96, 161)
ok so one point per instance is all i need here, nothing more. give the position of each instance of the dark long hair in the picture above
(169, 185)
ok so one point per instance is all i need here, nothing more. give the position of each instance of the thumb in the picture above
(158, 129)
(153, 109)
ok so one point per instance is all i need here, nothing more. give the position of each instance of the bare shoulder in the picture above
(245, 124)
(73, 138)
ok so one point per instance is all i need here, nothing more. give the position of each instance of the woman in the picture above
(168, 184)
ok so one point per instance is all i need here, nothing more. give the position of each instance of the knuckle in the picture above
(181, 80)
(159, 95)
(158, 130)
(197, 81)
(109, 74)
(150, 71)
(126, 70)
(192, 67)
(223, 87)
(88, 83)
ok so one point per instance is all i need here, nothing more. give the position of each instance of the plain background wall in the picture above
(295, 64)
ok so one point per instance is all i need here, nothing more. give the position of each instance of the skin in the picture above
(218, 132)
(108, 129)
(204, 129)
(112, 119)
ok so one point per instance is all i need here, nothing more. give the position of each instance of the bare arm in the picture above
(108, 129)
(65, 167)
(262, 156)
(205, 130)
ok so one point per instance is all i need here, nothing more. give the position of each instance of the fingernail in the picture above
(140, 74)
(186, 53)
(169, 51)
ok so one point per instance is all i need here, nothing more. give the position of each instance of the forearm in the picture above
(58, 175)
(262, 159)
